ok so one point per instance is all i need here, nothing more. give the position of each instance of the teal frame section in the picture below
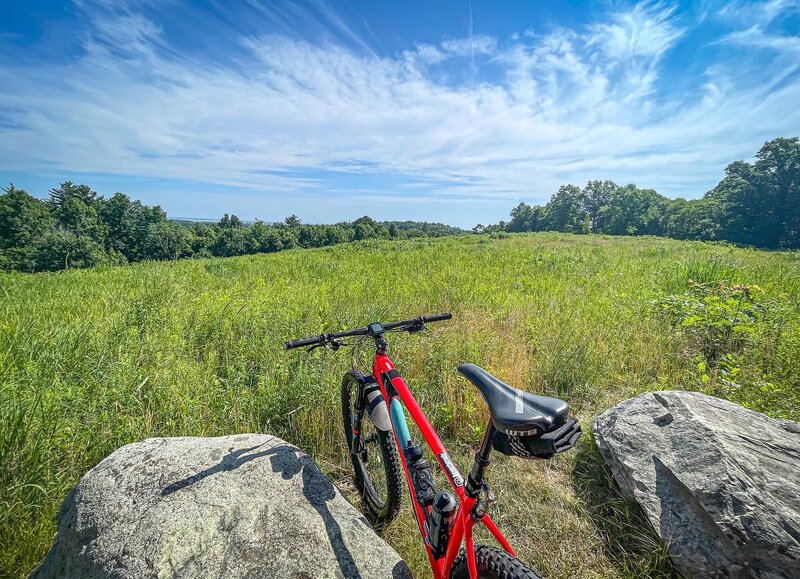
(399, 421)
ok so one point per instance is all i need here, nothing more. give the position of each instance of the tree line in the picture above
(756, 204)
(76, 228)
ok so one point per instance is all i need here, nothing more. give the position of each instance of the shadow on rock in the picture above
(630, 543)
(317, 489)
(230, 461)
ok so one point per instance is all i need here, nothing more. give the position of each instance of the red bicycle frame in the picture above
(395, 391)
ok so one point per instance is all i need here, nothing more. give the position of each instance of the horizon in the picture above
(449, 113)
(282, 221)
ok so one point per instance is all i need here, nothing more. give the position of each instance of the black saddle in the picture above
(528, 425)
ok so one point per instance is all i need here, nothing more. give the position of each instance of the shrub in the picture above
(718, 318)
(738, 339)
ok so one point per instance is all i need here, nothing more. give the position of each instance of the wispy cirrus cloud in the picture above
(747, 12)
(291, 115)
(643, 31)
(756, 26)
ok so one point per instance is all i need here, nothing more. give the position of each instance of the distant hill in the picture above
(423, 228)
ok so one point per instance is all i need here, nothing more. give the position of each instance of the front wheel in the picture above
(492, 563)
(378, 474)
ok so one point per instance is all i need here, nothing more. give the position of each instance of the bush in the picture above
(738, 339)
(719, 318)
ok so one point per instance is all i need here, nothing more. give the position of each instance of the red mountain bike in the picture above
(521, 424)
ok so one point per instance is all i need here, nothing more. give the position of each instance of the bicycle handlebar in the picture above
(323, 338)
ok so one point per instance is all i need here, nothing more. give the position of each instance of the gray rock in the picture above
(719, 483)
(250, 505)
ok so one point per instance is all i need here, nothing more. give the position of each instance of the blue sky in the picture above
(438, 111)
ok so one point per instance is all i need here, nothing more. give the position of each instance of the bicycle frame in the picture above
(395, 391)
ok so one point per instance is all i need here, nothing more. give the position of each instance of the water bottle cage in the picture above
(420, 472)
(424, 486)
(485, 499)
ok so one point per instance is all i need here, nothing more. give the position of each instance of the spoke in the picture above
(375, 462)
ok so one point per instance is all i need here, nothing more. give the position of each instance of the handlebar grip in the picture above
(300, 342)
(437, 317)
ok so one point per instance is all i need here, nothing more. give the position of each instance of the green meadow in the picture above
(93, 359)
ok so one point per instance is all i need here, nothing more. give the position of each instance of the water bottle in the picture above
(444, 507)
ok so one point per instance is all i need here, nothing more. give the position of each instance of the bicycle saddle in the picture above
(513, 411)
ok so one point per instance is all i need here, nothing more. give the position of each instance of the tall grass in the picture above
(91, 360)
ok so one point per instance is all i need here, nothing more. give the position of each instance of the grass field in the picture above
(91, 360)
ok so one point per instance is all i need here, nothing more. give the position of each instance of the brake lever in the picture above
(331, 345)
(416, 328)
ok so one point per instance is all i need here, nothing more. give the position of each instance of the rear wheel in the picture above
(378, 474)
(492, 563)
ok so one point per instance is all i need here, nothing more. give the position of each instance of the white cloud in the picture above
(758, 13)
(647, 30)
(479, 44)
(756, 20)
(427, 54)
(567, 106)
(756, 37)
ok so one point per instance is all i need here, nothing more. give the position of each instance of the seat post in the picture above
(482, 459)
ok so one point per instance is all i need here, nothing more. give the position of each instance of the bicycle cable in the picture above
(356, 345)
(356, 351)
